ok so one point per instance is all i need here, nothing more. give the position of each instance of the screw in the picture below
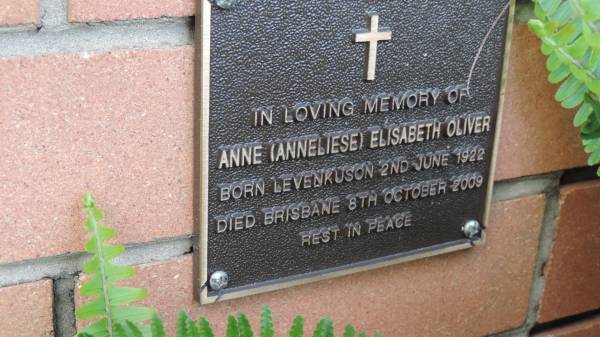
(226, 4)
(219, 280)
(471, 229)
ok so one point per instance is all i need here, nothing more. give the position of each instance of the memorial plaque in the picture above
(337, 136)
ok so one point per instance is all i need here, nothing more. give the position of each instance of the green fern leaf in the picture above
(362, 334)
(244, 326)
(266, 322)
(559, 74)
(181, 320)
(191, 330)
(582, 115)
(324, 328)
(108, 305)
(328, 327)
(119, 330)
(132, 329)
(297, 329)
(349, 331)
(575, 99)
(156, 327)
(319, 330)
(232, 327)
(83, 334)
(568, 88)
(205, 328)
(377, 335)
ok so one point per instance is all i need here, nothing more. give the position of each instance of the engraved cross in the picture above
(373, 37)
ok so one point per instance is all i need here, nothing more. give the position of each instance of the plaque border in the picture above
(201, 159)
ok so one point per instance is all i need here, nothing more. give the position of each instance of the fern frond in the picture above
(127, 329)
(297, 329)
(108, 307)
(191, 330)
(156, 327)
(181, 324)
(570, 34)
(349, 331)
(232, 327)
(205, 328)
(266, 322)
(324, 328)
(244, 326)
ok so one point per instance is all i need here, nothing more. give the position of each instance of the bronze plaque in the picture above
(337, 136)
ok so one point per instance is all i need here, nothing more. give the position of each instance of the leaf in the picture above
(575, 99)
(582, 115)
(324, 328)
(266, 323)
(156, 326)
(553, 62)
(568, 88)
(244, 326)
(562, 14)
(191, 330)
(537, 27)
(119, 331)
(205, 329)
(181, 320)
(109, 303)
(362, 334)
(377, 335)
(297, 329)
(232, 327)
(549, 6)
(134, 314)
(96, 329)
(559, 74)
(349, 331)
(594, 158)
(132, 329)
(594, 86)
(591, 9)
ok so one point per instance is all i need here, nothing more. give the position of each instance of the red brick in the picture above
(537, 133)
(26, 310)
(19, 12)
(469, 293)
(573, 271)
(119, 125)
(108, 10)
(587, 328)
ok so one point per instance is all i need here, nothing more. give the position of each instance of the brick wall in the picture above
(108, 108)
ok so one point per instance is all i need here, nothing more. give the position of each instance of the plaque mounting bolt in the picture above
(226, 4)
(219, 280)
(472, 229)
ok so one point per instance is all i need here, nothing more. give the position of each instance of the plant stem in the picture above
(102, 275)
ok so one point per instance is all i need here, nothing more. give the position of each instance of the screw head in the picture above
(219, 280)
(471, 229)
(226, 4)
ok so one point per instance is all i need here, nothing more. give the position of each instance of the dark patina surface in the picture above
(280, 53)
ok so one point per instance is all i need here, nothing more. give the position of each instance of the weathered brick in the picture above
(119, 125)
(573, 271)
(26, 310)
(469, 293)
(586, 328)
(537, 133)
(108, 10)
(19, 12)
